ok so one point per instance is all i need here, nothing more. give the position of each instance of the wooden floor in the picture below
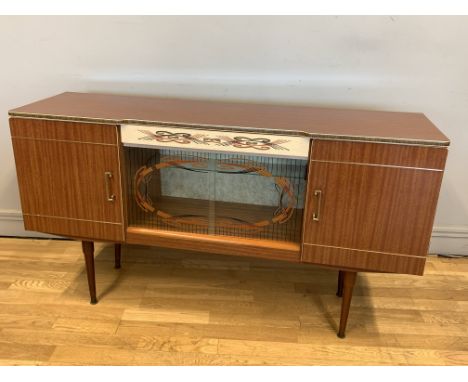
(167, 307)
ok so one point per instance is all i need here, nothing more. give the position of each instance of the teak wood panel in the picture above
(363, 260)
(380, 153)
(372, 208)
(78, 229)
(225, 245)
(314, 121)
(369, 208)
(124, 182)
(63, 131)
(60, 180)
(66, 179)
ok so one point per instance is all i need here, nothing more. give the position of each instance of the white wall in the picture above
(388, 63)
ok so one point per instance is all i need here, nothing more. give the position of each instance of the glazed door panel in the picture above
(69, 187)
(369, 216)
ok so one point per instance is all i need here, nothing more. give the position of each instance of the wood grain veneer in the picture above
(344, 258)
(379, 153)
(227, 245)
(373, 208)
(64, 179)
(304, 120)
(78, 229)
(123, 181)
(370, 208)
(63, 131)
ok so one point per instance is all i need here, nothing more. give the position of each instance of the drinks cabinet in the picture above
(347, 189)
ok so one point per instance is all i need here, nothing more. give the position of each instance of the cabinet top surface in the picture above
(378, 126)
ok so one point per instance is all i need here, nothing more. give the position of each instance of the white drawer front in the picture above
(215, 141)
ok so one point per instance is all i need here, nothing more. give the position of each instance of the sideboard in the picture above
(348, 189)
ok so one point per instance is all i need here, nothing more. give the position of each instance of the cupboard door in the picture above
(370, 212)
(69, 185)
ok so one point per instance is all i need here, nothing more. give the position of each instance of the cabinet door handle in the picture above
(318, 195)
(107, 178)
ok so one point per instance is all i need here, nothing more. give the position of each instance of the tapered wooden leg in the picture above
(349, 279)
(117, 250)
(88, 252)
(339, 291)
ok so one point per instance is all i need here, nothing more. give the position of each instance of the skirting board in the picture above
(447, 240)
(11, 224)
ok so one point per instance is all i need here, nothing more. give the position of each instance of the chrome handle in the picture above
(107, 178)
(318, 195)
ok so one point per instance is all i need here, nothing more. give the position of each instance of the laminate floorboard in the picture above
(169, 307)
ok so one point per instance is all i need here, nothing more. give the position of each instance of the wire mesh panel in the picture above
(216, 193)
